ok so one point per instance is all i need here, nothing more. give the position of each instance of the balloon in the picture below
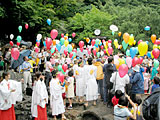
(119, 34)
(94, 52)
(58, 46)
(62, 35)
(125, 45)
(11, 43)
(62, 41)
(48, 43)
(153, 38)
(49, 21)
(15, 53)
(38, 44)
(128, 52)
(65, 37)
(157, 42)
(135, 61)
(20, 28)
(26, 26)
(149, 54)
(98, 54)
(89, 52)
(74, 54)
(102, 47)
(87, 40)
(36, 49)
(121, 61)
(65, 52)
(54, 42)
(142, 48)
(44, 43)
(97, 41)
(70, 55)
(67, 34)
(110, 50)
(104, 51)
(129, 61)
(134, 42)
(54, 33)
(109, 44)
(59, 67)
(81, 44)
(147, 28)
(131, 40)
(156, 64)
(140, 60)
(109, 41)
(52, 50)
(73, 34)
(19, 38)
(78, 49)
(64, 67)
(140, 41)
(61, 77)
(97, 49)
(155, 46)
(155, 53)
(70, 39)
(123, 70)
(74, 50)
(81, 49)
(11, 36)
(39, 36)
(66, 42)
(116, 62)
(93, 42)
(133, 52)
(126, 37)
(70, 48)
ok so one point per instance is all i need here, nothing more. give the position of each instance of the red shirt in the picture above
(115, 100)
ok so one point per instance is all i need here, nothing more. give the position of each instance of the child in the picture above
(146, 80)
(56, 101)
(155, 83)
(115, 99)
(70, 92)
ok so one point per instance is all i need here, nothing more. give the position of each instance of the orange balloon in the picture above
(119, 34)
(65, 37)
(54, 42)
(153, 38)
(87, 40)
(107, 43)
(73, 45)
(126, 37)
(120, 47)
(97, 49)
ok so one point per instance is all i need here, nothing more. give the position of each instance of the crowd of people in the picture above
(87, 78)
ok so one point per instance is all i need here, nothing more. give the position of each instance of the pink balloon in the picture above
(81, 44)
(157, 42)
(70, 55)
(64, 67)
(26, 26)
(155, 53)
(65, 52)
(61, 77)
(15, 53)
(104, 51)
(102, 47)
(140, 60)
(48, 43)
(73, 34)
(36, 49)
(135, 61)
(109, 44)
(110, 50)
(129, 61)
(109, 41)
(62, 35)
(123, 70)
(38, 44)
(11, 43)
(103, 41)
(93, 42)
(140, 41)
(54, 33)
(81, 49)
(74, 50)
(89, 52)
(94, 52)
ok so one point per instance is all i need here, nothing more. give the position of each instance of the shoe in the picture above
(70, 108)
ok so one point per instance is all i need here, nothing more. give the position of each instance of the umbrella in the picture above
(16, 63)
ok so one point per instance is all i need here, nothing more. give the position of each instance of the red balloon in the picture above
(61, 77)
(56, 49)
(155, 53)
(54, 33)
(62, 35)
(93, 42)
(36, 49)
(123, 70)
(48, 43)
(74, 50)
(109, 41)
(135, 61)
(140, 60)
(15, 53)
(64, 67)
(26, 26)
(81, 49)
(38, 44)
(104, 51)
(94, 52)
(140, 41)
(65, 52)
(157, 42)
(81, 44)
(102, 47)
(103, 41)
(11, 43)
(73, 34)
(70, 55)
(18, 43)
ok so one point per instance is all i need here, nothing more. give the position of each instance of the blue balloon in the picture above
(58, 46)
(149, 54)
(100, 44)
(147, 42)
(49, 21)
(70, 39)
(38, 40)
(147, 28)
(96, 46)
(133, 52)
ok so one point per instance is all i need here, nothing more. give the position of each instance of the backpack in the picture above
(100, 74)
(151, 106)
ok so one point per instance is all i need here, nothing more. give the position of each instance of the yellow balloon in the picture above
(105, 46)
(131, 40)
(121, 61)
(142, 48)
(67, 34)
(134, 42)
(159, 47)
(152, 55)
(66, 42)
(155, 46)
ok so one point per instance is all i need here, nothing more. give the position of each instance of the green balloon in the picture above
(19, 38)
(62, 41)
(94, 47)
(156, 64)
(63, 72)
(78, 49)
(69, 48)
(128, 53)
(74, 54)
(125, 45)
(20, 28)
(97, 41)
(98, 54)
(59, 67)
(52, 50)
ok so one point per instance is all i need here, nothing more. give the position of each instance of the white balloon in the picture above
(97, 32)
(57, 41)
(11, 36)
(113, 28)
(39, 36)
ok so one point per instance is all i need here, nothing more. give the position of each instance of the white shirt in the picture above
(48, 66)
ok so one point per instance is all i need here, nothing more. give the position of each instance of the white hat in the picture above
(136, 68)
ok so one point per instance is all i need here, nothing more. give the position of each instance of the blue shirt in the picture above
(26, 65)
(154, 87)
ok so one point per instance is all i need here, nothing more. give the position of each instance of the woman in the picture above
(91, 84)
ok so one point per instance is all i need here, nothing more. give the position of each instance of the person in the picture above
(48, 74)
(70, 92)
(146, 81)
(115, 99)
(121, 111)
(84, 59)
(108, 69)
(39, 98)
(156, 81)
(100, 76)
(56, 100)
(80, 83)
(26, 66)
(33, 63)
(1, 63)
(10, 92)
(91, 84)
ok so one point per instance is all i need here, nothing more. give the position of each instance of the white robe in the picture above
(56, 100)
(38, 95)
(80, 83)
(7, 95)
(91, 84)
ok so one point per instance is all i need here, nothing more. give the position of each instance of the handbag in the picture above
(112, 91)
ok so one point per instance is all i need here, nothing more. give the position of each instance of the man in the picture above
(84, 59)
(26, 66)
(108, 69)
